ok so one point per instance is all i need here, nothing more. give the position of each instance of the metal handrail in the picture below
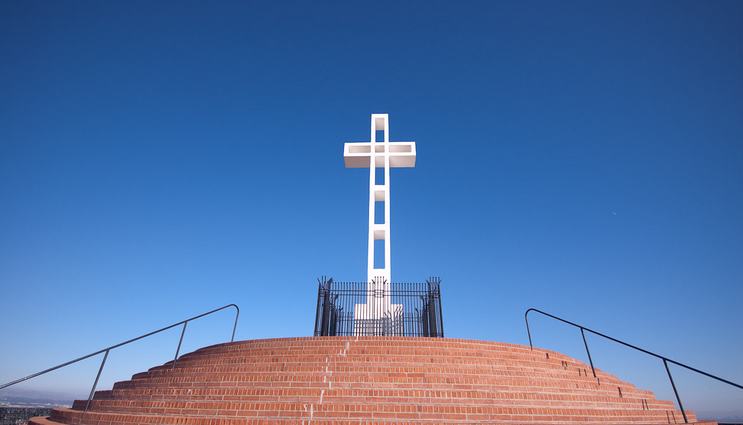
(107, 349)
(665, 359)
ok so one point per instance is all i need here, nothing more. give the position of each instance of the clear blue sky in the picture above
(158, 160)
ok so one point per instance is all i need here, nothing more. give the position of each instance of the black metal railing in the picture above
(666, 360)
(106, 350)
(379, 308)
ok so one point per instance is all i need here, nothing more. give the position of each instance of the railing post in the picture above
(590, 360)
(678, 399)
(528, 331)
(234, 327)
(634, 347)
(318, 314)
(95, 383)
(105, 351)
(441, 315)
(180, 341)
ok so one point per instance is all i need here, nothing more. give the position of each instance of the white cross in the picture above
(379, 157)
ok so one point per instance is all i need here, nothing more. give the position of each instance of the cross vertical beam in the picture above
(379, 193)
(379, 155)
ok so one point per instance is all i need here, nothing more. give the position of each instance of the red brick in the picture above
(374, 380)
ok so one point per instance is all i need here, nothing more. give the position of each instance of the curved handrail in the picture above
(665, 359)
(108, 349)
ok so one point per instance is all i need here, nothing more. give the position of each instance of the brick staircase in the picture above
(352, 380)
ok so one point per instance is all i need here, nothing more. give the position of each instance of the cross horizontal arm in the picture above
(356, 154)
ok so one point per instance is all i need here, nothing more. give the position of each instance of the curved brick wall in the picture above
(335, 380)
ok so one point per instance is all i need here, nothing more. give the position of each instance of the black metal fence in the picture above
(379, 308)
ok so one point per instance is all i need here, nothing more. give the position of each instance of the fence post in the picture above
(318, 314)
(438, 302)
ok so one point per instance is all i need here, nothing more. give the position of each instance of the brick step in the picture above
(371, 380)
(344, 346)
(414, 367)
(623, 402)
(537, 388)
(266, 421)
(343, 367)
(354, 361)
(260, 393)
(356, 348)
(522, 393)
(329, 370)
(311, 411)
(327, 381)
(335, 370)
(410, 414)
(239, 359)
(308, 341)
(305, 343)
(396, 356)
(541, 391)
(214, 407)
(393, 359)
(365, 380)
(281, 365)
(501, 369)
